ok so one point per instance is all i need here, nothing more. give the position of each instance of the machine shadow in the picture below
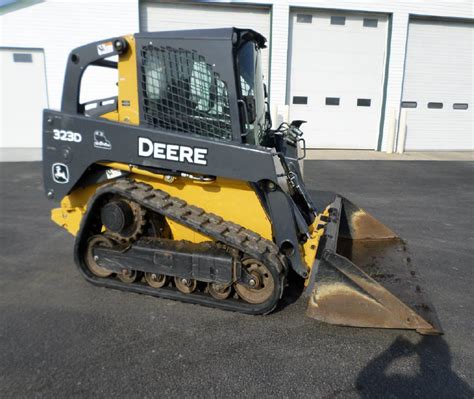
(293, 291)
(434, 377)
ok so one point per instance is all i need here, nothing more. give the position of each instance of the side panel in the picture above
(233, 200)
(83, 141)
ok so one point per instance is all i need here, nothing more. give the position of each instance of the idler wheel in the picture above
(261, 285)
(91, 260)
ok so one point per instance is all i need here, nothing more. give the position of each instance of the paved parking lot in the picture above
(62, 337)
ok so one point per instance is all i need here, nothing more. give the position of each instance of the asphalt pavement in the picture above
(62, 337)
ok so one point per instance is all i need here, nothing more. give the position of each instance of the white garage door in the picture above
(165, 16)
(438, 87)
(336, 77)
(23, 97)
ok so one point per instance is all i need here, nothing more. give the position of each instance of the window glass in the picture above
(409, 104)
(371, 22)
(251, 84)
(304, 18)
(434, 105)
(300, 100)
(338, 20)
(182, 92)
(155, 78)
(460, 106)
(22, 57)
(332, 100)
(200, 85)
(363, 102)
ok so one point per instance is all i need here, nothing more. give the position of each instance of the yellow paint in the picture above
(72, 209)
(128, 84)
(310, 247)
(185, 233)
(127, 87)
(111, 116)
(233, 200)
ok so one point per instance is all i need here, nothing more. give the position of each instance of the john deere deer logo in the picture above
(60, 173)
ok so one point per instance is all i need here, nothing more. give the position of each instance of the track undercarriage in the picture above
(125, 243)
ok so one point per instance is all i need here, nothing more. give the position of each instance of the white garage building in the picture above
(352, 69)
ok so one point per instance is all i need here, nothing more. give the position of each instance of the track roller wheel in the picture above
(185, 285)
(128, 276)
(262, 283)
(219, 291)
(91, 261)
(156, 280)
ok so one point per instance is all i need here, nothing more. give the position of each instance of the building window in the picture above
(435, 105)
(22, 57)
(460, 106)
(300, 100)
(332, 100)
(409, 104)
(371, 22)
(338, 20)
(363, 102)
(304, 18)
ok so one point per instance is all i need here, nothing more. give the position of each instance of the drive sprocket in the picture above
(132, 231)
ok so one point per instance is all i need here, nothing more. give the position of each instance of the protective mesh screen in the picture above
(181, 92)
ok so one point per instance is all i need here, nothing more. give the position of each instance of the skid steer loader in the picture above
(179, 188)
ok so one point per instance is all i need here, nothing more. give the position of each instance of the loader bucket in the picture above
(363, 276)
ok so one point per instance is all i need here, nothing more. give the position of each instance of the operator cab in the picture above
(201, 82)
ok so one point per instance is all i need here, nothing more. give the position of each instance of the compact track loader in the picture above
(179, 188)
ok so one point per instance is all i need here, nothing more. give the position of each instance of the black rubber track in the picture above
(160, 202)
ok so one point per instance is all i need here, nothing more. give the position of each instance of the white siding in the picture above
(60, 26)
(279, 53)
